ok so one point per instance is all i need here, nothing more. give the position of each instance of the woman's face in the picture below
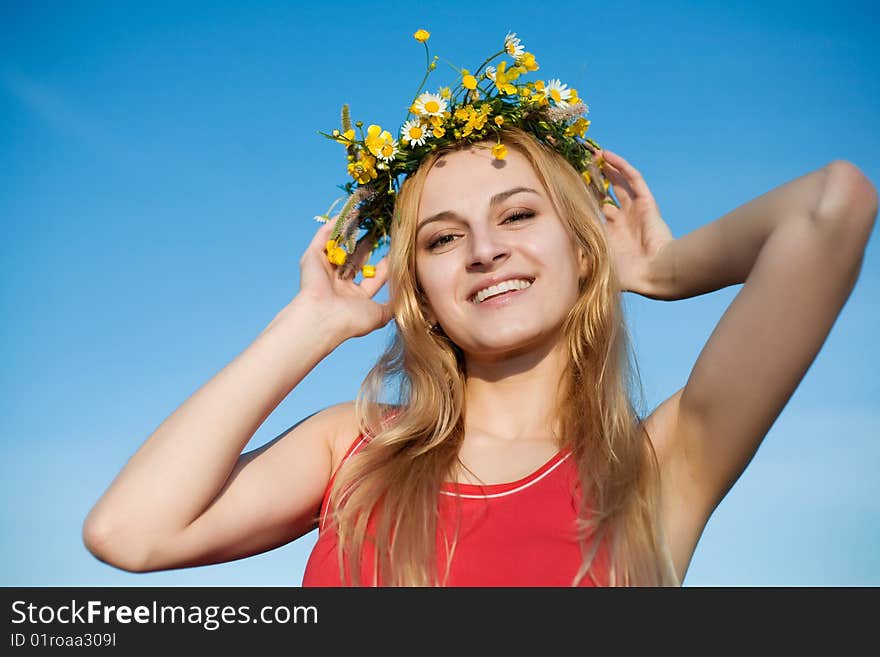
(482, 221)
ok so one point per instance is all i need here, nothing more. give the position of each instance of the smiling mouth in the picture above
(489, 294)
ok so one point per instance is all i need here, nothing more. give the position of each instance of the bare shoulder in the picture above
(684, 512)
(347, 429)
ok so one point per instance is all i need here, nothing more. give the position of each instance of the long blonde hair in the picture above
(397, 476)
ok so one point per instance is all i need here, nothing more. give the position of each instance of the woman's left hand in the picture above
(636, 231)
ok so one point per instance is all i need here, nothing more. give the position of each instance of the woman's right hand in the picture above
(332, 286)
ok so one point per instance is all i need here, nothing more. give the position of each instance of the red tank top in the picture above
(520, 533)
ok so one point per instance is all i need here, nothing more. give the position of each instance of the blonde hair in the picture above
(397, 476)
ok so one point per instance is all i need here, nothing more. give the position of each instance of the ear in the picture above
(583, 263)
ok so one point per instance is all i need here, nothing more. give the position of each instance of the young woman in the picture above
(513, 455)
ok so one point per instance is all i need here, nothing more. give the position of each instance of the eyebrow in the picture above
(498, 198)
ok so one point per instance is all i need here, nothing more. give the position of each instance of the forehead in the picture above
(473, 176)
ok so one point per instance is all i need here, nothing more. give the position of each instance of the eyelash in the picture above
(521, 214)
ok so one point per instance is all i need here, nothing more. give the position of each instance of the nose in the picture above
(487, 248)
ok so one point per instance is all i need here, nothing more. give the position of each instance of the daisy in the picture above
(429, 104)
(490, 73)
(414, 133)
(513, 46)
(560, 93)
(389, 151)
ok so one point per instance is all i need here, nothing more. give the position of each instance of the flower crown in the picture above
(479, 106)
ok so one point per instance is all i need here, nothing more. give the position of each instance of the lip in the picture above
(502, 299)
(495, 280)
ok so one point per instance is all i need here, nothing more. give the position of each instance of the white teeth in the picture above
(505, 286)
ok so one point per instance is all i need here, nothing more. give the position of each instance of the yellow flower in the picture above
(445, 92)
(503, 79)
(474, 120)
(528, 62)
(499, 120)
(376, 139)
(436, 121)
(468, 81)
(439, 132)
(421, 35)
(499, 151)
(587, 178)
(541, 92)
(346, 138)
(337, 256)
(331, 244)
(606, 184)
(579, 127)
(364, 169)
(368, 271)
(525, 92)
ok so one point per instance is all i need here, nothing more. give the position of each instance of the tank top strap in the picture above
(357, 444)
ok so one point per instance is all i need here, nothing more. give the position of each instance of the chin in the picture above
(506, 340)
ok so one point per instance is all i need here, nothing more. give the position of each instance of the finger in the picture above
(633, 176)
(611, 212)
(620, 182)
(319, 240)
(624, 172)
(322, 235)
(315, 254)
(619, 193)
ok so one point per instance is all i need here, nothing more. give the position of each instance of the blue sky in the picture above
(160, 168)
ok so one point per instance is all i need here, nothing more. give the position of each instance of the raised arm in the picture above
(188, 496)
(798, 250)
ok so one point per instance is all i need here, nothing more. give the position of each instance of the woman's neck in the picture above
(515, 397)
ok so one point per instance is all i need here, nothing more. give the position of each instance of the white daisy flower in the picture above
(560, 93)
(389, 151)
(513, 45)
(413, 132)
(490, 73)
(429, 104)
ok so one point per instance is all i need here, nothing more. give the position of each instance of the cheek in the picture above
(430, 285)
(562, 257)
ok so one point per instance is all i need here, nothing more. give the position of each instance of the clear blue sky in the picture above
(160, 168)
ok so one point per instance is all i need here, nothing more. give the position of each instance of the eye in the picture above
(519, 215)
(440, 241)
